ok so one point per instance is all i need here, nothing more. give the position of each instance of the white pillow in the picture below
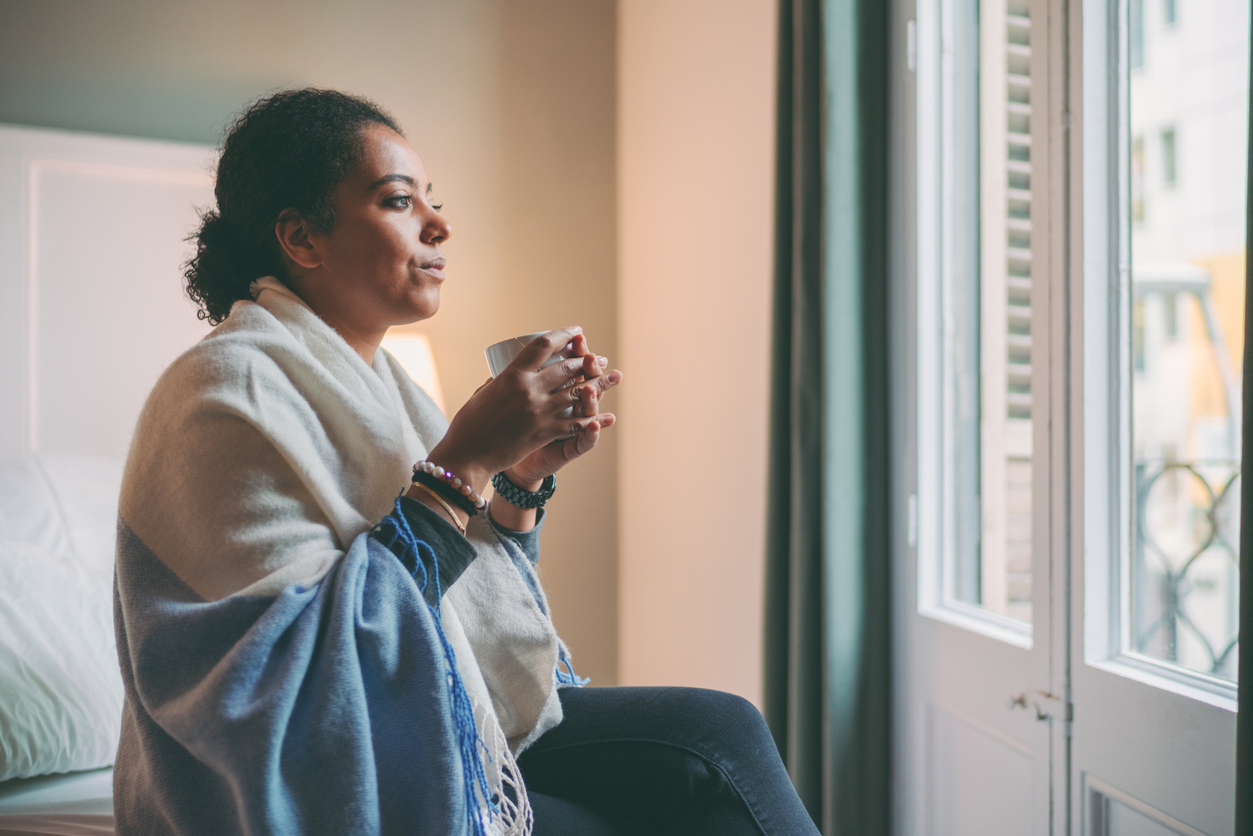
(61, 705)
(65, 504)
(60, 689)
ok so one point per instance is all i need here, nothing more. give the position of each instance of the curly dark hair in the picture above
(287, 151)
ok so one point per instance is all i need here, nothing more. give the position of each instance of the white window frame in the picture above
(932, 511)
(1106, 338)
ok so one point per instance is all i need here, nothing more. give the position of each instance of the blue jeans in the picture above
(687, 761)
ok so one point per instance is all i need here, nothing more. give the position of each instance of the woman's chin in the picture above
(423, 307)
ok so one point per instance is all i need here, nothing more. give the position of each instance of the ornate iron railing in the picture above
(1186, 549)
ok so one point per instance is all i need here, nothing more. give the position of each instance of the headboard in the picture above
(92, 236)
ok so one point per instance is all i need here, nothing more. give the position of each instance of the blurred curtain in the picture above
(828, 697)
(1244, 720)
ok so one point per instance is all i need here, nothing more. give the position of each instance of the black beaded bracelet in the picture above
(520, 498)
(445, 490)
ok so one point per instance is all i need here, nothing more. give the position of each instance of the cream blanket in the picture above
(267, 449)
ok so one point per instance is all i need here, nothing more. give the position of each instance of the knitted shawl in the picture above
(283, 672)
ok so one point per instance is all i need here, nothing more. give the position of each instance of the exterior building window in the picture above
(1137, 180)
(1136, 40)
(1169, 157)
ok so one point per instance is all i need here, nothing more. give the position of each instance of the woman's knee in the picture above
(698, 719)
(718, 721)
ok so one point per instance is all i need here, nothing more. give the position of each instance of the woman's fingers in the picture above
(580, 425)
(594, 365)
(585, 441)
(574, 370)
(591, 400)
(584, 396)
(558, 377)
(533, 357)
(604, 382)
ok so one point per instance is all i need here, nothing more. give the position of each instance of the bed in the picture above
(77, 804)
(90, 314)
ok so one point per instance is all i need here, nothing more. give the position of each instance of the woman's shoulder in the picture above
(233, 362)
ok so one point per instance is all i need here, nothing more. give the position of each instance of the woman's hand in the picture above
(529, 473)
(585, 396)
(521, 410)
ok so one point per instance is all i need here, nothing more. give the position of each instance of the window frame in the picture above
(932, 515)
(1105, 333)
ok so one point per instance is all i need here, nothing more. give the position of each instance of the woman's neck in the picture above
(366, 345)
(331, 310)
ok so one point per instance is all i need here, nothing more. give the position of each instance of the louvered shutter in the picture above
(1005, 306)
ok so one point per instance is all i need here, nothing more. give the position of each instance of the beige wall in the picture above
(521, 110)
(511, 104)
(695, 195)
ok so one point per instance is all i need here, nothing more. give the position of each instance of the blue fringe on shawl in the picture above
(329, 709)
(393, 529)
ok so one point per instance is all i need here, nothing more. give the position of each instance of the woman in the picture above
(305, 651)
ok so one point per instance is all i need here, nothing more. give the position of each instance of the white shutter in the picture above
(1005, 302)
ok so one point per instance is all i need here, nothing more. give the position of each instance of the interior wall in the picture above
(696, 117)
(511, 104)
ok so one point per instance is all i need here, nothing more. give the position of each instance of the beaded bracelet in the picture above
(434, 476)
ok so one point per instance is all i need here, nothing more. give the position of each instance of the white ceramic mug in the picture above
(501, 354)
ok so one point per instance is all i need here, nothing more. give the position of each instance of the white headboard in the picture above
(92, 233)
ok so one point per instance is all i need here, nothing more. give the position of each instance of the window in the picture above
(1182, 382)
(1169, 160)
(1136, 39)
(979, 334)
(1138, 208)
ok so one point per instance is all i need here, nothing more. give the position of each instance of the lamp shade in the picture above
(414, 353)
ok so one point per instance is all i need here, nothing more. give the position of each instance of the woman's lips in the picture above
(435, 267)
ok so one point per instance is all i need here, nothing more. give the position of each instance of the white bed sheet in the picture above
(78, 804)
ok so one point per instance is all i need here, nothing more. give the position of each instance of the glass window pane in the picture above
(1188, 87)
(987, 311)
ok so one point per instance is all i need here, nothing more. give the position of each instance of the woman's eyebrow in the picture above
(395, 178)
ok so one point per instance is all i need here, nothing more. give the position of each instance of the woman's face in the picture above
(380, 264)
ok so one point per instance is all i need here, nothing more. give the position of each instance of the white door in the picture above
(1068, 378)
(1158, 205)
(980, 727)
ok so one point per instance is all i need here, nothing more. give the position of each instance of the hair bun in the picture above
(223, 268)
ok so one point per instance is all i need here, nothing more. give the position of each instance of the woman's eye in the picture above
(438, 207)
(402, 201)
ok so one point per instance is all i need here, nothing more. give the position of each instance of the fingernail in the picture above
(604, 361)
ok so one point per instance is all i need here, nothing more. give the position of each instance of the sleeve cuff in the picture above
(452, 550)
(528, 541)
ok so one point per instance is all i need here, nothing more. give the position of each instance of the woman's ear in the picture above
(292, 232)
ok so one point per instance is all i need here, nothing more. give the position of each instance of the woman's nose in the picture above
(436, 230)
